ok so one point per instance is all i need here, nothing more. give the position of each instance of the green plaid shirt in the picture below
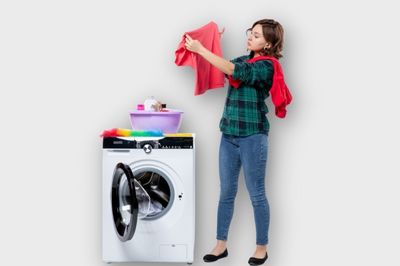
(245, 110)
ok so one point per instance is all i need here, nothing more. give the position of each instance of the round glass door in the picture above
(160, 190)
(124, 203)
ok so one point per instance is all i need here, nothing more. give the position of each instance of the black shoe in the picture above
(211, 257)
(256, 261)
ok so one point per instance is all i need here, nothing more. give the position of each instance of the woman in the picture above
(244, 128)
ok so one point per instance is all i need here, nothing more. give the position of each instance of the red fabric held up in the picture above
(207, 76)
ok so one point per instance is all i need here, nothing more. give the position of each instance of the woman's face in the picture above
(255, 39)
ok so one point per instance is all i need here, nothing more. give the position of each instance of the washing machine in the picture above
(148, 199)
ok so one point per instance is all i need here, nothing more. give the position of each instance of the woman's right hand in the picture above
(193, 45)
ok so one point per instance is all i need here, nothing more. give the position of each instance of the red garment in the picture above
(280, 93)
(207, 76)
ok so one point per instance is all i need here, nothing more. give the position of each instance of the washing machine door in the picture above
(124, 202)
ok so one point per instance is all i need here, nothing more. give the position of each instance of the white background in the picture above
(69, 69)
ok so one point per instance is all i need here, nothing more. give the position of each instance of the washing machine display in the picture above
(148, 199)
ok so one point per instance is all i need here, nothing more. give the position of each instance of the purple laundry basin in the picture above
(167, 122)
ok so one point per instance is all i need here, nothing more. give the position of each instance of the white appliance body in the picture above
(167, 236)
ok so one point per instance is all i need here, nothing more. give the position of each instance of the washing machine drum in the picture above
(136, 197)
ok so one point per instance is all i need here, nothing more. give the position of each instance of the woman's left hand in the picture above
(193, 45)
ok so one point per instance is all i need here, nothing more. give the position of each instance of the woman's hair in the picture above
(273, 33)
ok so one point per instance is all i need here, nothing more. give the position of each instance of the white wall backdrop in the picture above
(69, 69)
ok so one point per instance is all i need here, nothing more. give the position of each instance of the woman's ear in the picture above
(267, 45)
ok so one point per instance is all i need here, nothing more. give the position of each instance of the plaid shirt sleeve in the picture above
(253, 73)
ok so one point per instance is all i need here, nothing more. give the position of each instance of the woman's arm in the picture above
(222, 64)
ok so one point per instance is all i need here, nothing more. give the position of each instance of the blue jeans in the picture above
(251, 152)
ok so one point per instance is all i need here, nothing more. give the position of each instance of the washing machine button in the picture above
(147, 148)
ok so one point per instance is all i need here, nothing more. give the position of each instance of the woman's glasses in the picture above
(250, 33)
